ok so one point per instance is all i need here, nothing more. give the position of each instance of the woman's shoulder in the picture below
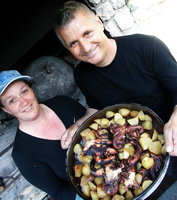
(57, 99)
(62, 102)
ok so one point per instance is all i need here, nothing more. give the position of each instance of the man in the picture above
(135, 68)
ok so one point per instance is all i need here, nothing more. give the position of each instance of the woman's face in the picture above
(20, 101)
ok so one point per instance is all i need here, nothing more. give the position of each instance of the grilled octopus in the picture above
(104, 150)
(120, 133)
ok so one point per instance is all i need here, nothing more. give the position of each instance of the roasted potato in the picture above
(133, 121)
(120, 121)
(85, 179)
(145, 155)
(161, 138)
(100, 192)
(98, 180)
(87, 159)
(94, 126)
(163, 150)
(110, 114)
(122, 188)
(77, 149)
(128, 195)
(104, 122)
(129, 148)
(77, 170)
(124, 112)
(97, 166)
(147, 162)
(80, 156)
(106, 198)
(155, 147)
(102, 131)
(141, 115)
(85, 132)
(154, 135)
(123, 155)
(134, 113)
(98, 121)
(117, 116)
(146, 184)
(144, 135)
(145, 142)
(138, 191)
(90, 136)
(148, 118)
(139, 178)
(92, 186)
(118, 197)
(138, 165)
(111, 122)
(147, 125)
(86, 190)
(94, 195)
(86, 169)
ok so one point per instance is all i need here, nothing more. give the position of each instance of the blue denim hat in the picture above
(7, 77)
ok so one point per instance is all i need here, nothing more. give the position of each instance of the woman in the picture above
(37, 152)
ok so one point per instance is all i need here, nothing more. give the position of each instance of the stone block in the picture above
(7, 136)
(7, 164)
(94, 2)
(52, 76)
(31, 193)
(14, 188)
(117, 3)
(105, 11)
(124, 18)
(112, 28)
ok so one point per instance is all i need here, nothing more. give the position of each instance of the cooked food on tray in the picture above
(119, 156)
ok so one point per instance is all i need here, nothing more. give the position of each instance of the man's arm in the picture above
(68, 134)
(170, 132)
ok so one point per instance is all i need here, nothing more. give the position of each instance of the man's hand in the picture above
(67, 136)
(170, 133)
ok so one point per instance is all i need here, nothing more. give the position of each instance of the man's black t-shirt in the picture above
(143, 71)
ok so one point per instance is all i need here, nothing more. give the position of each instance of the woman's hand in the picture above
(170, 133)
(67, 136)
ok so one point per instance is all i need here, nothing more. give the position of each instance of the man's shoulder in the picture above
(135, 41)
(134, 37)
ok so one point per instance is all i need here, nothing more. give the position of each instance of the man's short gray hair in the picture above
(67, 12)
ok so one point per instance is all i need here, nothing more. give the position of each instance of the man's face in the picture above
(85, 39)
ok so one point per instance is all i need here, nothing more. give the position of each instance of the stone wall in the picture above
(116, 16)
